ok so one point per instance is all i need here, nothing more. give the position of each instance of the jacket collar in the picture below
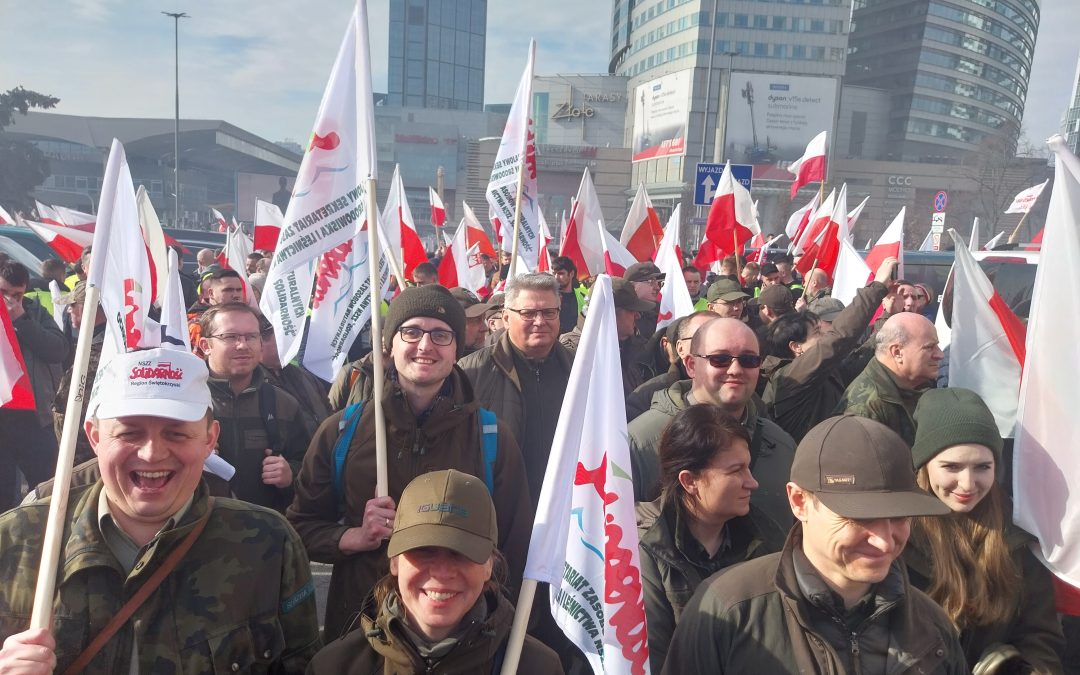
(887, 386)
(503, 356)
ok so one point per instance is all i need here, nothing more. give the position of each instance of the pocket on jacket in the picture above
(248, 648)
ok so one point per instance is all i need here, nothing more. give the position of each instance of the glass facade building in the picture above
(956, 70)
(437, 54)
(1071, 122)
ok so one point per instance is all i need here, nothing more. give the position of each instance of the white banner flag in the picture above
(675, 301)
(1025, 199)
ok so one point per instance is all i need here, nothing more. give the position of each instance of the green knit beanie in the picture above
(952, 416)
(431, 301)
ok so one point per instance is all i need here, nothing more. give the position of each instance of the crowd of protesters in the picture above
(808, 499)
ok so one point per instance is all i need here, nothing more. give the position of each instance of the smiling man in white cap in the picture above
(235, 583)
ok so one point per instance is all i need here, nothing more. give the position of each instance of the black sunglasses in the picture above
(723, 361)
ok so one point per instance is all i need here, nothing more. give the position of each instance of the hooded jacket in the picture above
(449, 438)
(754, 618)
(771, 451)
(385, 646)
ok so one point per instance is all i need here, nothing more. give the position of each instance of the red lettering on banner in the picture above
(329, 269)
(530, 152)
(162, 371)
(132, 334)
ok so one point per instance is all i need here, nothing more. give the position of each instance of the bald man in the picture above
(723, 364)
(905, 364)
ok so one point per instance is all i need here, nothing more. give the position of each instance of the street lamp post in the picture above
(176, 16)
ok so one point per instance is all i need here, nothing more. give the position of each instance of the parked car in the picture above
(28, 241)
(18, 253)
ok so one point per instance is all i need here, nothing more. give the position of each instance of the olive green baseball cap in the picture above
(448, 509)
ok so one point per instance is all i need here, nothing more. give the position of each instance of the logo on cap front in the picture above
(840, 479)
(443, 507)
(151, 373)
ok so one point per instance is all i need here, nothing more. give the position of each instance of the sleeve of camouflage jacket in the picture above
(314, 510)
(297, 612)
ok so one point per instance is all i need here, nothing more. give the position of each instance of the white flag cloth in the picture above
(1025, 199)
(223, 225)
(155, 242)
(850, 274)
(1046, 464)
(461, 266)
(73, 218)
(928, 242)
(328, 203)
(5, 217)
(66, 242)
(267, 227)
(517, 158)
(584, 540)
(973, 241)
(994, 241)
(123, 273)
(174, 328)
(675, 301)
(853, 215)
(48, 215)
(987, 344)
(58, 307)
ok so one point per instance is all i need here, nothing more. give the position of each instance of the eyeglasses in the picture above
(236, 338)
(439, 336)
(549, 313)
(723, 361)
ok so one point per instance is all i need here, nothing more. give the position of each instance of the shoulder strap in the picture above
(755, 442)
(134, 602)
(268, 414)
(346, 430)
(489, 430)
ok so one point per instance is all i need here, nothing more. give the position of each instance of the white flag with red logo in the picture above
(402, 241)
(120, 266)
(889, 245)
(986, 351)
(642, 232)
(66, 242)
(811, 166)
(461, 266)
(328, 206)
(48, 215)
(1046, 464)
(675, 301)
(516, 159)
(268, 221)
(15, 390)
(438, 211)
(584, 539)
(1025, 199)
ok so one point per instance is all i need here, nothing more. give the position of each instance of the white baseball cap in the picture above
(160, 382)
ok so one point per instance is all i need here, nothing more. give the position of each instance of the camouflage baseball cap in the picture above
(448, 509)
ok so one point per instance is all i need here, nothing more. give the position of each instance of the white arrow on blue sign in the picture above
(708, 176)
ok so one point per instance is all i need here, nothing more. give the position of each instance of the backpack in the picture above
(489, 433)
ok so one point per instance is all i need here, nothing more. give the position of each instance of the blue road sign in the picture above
(941, 200)
(708, 175)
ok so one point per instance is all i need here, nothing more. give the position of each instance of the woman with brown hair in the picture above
(975, 562)
(702, 522)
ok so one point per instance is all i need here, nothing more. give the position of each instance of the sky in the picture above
(262, 66)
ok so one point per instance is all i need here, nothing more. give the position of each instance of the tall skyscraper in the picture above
(956, 70)
(437, 53)
(1071, 122)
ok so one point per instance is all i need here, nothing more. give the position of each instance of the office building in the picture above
(1070, 126)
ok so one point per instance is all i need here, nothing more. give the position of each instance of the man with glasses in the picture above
(647, 279)
(727, 298)
(680, 333)
(433, 423)
(723, 365)
(263, 434)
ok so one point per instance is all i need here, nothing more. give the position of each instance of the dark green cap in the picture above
(447, 509)
(952, 416)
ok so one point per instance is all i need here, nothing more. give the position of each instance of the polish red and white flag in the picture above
(731, 222)
(48, 215)
(268, 222)
(15, 390)
(66, 242)
(642, 232)
(73, 218)
(222, 224)
(889, 245)
(403, 240)
(5, 217)
(811, 166)
(816, 222)
(477, 233)
(438, 211)
(675, 301)
(824, 251)
(461, 266)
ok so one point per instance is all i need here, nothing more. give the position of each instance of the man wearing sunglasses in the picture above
(723, 364)
(263, 431)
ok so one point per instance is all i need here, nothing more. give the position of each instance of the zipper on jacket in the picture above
(854, 639)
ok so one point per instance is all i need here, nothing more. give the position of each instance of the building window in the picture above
(416, 16)
(742, 21)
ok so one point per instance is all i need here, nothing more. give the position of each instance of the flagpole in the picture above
(1015, 236)
(381, 482)
(521, 170)
(41, 616)
(521, 623)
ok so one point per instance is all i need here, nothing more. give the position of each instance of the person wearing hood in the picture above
(442, 608)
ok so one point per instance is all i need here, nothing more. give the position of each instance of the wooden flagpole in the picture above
(41, 616)
(517, 213)
(1015, 236)
(517, 629)
(381, 481)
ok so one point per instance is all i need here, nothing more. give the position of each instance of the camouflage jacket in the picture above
(241, 600)
(875, 394)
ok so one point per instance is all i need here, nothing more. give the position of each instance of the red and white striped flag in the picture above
(1046, 464)
(267, 229)
(850, 274)
(816, 222)
(544, 264)
(811, 166)
(798, 221)
(438, 211)
(48, 215)
(66, 242)
(889, 245)
(477, 233)
(642, 232)
(584, 539)
(731, 222)
(1025, 199)
(223, 225)
(824, 251)
(853, 215)
(397, 219)
(5, 217)
(581, 240)
(73, 218)
(460, 265)
(15, 390)
(675, 301)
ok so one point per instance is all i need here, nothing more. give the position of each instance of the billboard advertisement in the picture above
(771, 118)
(251, 186)
(661, 109)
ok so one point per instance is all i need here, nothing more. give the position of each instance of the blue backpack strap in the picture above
(489, 429)
(346, 430)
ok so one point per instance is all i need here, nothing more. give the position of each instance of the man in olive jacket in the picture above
(905, 364)
(805, 382)
(836, 599)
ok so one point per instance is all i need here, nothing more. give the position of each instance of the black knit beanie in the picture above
(952, 416)
(432, 301)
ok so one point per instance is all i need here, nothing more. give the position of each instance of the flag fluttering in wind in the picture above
(516, 161)
(15, 390)
(581, 241)
(438, 211)
(1025, 199)
(73, 218)
(460, 265)
(731, 222)
(477, 234)
(328, 207)
(816, 222)
(811, 166)
(154, 237)
(584, 540)
(973, 240)
(1046, 465)
(927, 242)
(642, 232)
(66, 242)
(5, 217)
(798, 221)
(174, 329)
(268, 221)
(402, 240)
(823, 252)
(544, 264)
(675, 301)
(850, 274)
(223, 225)
(889, 245)
(853, 216)
(989, 246)
(986, 352)
(48, 215)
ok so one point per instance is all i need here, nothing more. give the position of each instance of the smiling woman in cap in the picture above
(975, 563)
(442, 607)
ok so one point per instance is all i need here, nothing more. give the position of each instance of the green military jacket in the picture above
(876, 395)
(240, 601)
